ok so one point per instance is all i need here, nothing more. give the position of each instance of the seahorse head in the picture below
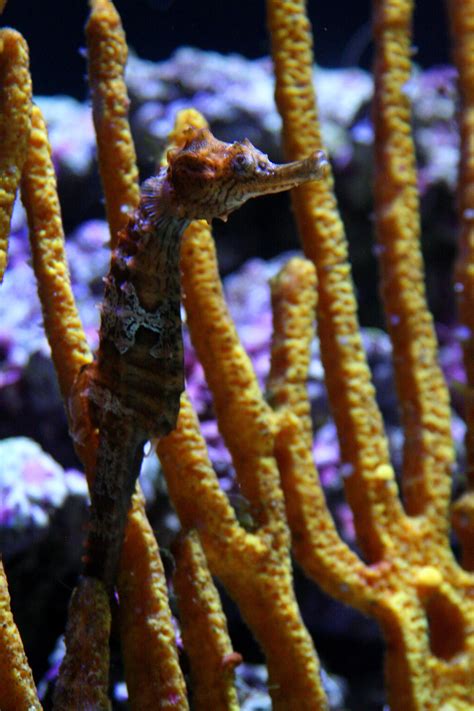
(209, 178)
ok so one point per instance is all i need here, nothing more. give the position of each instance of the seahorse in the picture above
(135, 383)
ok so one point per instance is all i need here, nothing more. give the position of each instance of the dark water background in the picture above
(54, 31)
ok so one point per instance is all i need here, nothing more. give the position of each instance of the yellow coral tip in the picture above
(429, 577)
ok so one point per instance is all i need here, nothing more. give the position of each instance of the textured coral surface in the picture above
(338, 449)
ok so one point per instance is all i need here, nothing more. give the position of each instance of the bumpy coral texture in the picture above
(410, 583)
(15, 108)
(414, 587)
(204, 628)
(107, 55)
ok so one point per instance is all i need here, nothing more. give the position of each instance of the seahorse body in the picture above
(135, 384)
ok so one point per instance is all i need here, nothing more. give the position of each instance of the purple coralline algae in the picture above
(71, 133)
(236, 96)
(32, 487)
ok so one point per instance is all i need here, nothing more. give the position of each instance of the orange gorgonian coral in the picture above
(412, 585)
(409, 580)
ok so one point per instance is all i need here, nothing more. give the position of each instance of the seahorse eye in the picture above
(241, 164)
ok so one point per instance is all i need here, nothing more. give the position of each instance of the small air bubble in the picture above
(394, 319)
(343, 340)
(458, 287)
(125, 209)
(468, 213)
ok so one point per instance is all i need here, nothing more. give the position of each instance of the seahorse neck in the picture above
(157, 210)
(152, 235)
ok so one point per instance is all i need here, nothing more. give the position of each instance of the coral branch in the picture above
(194, 489)
(152, 671)
(256, 575)
(84, 675)
(245, 420)
(316, 543)
(256, 569)
(416, 586)
(63, 327)
(17, 688)
(371, 488)
(107, 56)
(462, 37)
(293, 304)
(423, 395)
(15, 109)
(204, 629)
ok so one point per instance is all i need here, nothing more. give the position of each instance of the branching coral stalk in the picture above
(17, 688)
(293, 305)
(371, 488)
(107, 56)
(462, 33)
(315, 540)
(422, 393)
(147, 633)
(246, 563)
(69, 347)
(416, 590)
(15, 109)
(204, 629)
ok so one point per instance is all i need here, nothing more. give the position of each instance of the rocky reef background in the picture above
(43, 500)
